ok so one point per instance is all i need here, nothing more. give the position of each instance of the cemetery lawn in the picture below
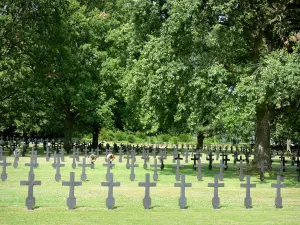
(91, 209)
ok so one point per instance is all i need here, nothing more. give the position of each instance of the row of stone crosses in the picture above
(110, 201)
(162, 154)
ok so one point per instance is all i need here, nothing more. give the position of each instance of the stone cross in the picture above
(186, 154)
(182, 185)
(58, 165)
(110, 200)
(226, 160)
(210, 159)
(155, 165)
(248, 199)
(84, 165)
(92, 152)
(241, 170)
(146, 159)
(216, 185)
(235, 156)
(4, 164)
(127, 160)
(217, 152)
(54, 164)
(175, 152)
(278, 199)
(147, 185)
(85, 151)
(77, 154)
(109, 165)
(1, 152)
(48, 153)
(162, 157)
(120, 154)
(97, 152)
(16, 158)
(177, 165)
(30, 200)
(34, 155)
(132, 165)
(32, 165)
(62, 156)
(262, 167)
(73, 156)
(199, 166)
(71, 200)
(195, 158)
(222, 167)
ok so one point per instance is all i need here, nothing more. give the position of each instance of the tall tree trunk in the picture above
(96, 132)
(68, 131)
(200, 138)
(262, 135)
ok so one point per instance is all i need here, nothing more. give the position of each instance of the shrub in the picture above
(120, 136)
(107, 135)
(131, 138)
(185, 138)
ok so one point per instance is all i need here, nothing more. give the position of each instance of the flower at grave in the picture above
(92, 158)
(110, 157)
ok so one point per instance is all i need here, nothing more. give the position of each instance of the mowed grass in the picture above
(91, 208)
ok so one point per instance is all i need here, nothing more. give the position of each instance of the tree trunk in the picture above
(200, 138)
(262, 135)
(68, 131)
(96, 132)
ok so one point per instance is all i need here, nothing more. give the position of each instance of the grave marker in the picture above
(4, 164)
(32, 165)
(155, 165)
(222, 167)
(73, 156)
(132, 165)
(278, 199)
(248, 199)
(241, 170)
(199, 166)
(216, 185)
(30, 200)
(71, 200)
(109, 165)
(16, 158)
(110, 200)
(147, 185)
(182, 200)
(177, 165)
(58, 165)
(48, 153)
(84, 165)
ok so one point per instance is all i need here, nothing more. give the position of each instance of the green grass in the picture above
(91, 209)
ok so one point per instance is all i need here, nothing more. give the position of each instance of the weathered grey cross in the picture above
(71, 200)
(248, 199)
(58, 165)
(155, 166)
(182, 185)
(84, 165)
(109, 165)
(216, 185)
(147, 185)
(278, 185)
(110, 200)
(30, 200)
(4, 164)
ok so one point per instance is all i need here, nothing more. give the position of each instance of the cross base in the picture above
(16, 164)
(210, 167)
(221, 177)
(248, 203)
(30, 203)
(182, 202)
(83, 177)
(147, 203)
(278, 202)
(216, 202)
(127, 166)
(132, 176)
(74, 165)
(262, 177)
(110, 203)
(155, 177)
(145, 166)
(177, 176)
(3, 176)
(57, 177)
(71, 202)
